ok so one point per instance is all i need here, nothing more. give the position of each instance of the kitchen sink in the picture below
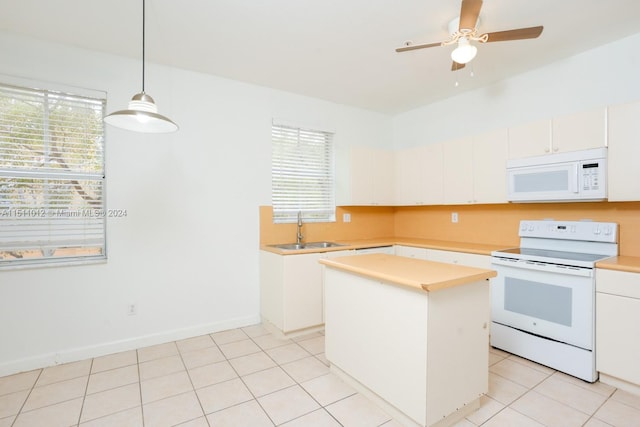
(290, 246)
(311, 245)
(323, 244)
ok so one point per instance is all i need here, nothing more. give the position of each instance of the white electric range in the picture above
(543, 299)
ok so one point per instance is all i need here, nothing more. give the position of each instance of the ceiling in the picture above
(339, 50)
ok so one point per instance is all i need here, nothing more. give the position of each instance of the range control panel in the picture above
(590, 231)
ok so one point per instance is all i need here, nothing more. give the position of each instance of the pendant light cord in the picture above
(143, 31)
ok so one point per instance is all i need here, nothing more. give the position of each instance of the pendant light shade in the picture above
(142, 114)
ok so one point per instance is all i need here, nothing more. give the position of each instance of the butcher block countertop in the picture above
(630, 264)
(472, 248)
(415, 273)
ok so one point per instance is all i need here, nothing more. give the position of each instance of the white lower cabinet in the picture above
(292, 290)
(448, 257)
(461, 258)
(618, 328)
(421, 356)
(411, 252)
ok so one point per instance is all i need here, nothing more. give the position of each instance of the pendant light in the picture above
(142, 114)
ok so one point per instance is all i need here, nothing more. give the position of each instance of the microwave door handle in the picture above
(576, 178)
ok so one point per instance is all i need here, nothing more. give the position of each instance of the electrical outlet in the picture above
(346, 217)
(454, 217)
(132, 309)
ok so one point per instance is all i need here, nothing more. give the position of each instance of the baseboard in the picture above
(81, 353)
(621, 384)
(277, 332)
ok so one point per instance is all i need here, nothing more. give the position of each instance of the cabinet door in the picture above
(371, 176)
(530, 139)
(579, 131)
(382, 177)
(418, 173)
(624, 152)
(408, 182)
(432, 174)
(360, 171)
(410, 252)
(458, 171)
(618, 324)
(303, 292)
(617, 332)
(490, 167)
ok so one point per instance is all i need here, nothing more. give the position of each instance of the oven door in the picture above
(548, 300)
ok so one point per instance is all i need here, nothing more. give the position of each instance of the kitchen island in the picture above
(411, 335)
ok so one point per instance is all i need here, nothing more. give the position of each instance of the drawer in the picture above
(620, 283)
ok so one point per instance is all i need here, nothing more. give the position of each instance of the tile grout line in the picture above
(204, 414)
(86, 388)
(27, 398)
(140, 386)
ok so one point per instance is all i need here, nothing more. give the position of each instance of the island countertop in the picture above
(415, 273)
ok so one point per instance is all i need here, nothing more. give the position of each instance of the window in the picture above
(51, 177)
(302, 174)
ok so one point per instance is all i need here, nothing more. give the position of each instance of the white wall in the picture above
(603, 76)
(187, 252)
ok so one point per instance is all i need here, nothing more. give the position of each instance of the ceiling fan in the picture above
(463, 31)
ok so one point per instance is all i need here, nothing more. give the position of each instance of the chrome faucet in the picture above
(299, 235)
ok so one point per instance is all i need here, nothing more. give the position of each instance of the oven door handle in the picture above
(541, 266)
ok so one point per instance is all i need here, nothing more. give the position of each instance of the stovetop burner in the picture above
(569, 243)
(556, 257)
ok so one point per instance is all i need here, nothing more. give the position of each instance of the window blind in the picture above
(302, 174)
(51, 176)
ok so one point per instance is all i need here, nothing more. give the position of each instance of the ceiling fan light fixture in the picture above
(142, 114)
(465, 51)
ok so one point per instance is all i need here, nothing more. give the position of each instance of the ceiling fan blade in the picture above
(518, 34)
(455, 66)
(417, 46)
(469, 12)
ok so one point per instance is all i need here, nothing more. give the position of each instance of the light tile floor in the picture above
(248, 378)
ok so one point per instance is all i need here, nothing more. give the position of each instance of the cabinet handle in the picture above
(555, 150)
(546, 150)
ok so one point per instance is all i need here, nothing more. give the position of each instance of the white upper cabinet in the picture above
(579, 131)
(475, 169)
(571, 132)
(372, 177)
(530, 139)
(419, 177)
(624, 152)
(458, 171)
(490, 167)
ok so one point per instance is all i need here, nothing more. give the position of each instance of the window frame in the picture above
(321, 173)
(90, 217)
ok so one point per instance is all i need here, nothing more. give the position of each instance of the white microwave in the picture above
(562, 177)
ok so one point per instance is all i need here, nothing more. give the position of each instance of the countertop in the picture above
(629, 264)
(415, 273)
(472, 248)
(621, 263)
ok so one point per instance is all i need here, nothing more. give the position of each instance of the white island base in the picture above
(422, 356)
